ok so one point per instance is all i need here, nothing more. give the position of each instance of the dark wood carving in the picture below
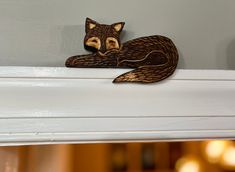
(153, 58)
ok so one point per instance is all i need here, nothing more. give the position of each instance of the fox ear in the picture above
(90, 24)
(118, 26)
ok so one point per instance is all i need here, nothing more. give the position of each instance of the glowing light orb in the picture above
(228, 158)
(187, 165)
(215, 149)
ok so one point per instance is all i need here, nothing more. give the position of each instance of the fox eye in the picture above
(94, 40)
(111, 42)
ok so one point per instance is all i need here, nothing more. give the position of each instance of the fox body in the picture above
(153, 58)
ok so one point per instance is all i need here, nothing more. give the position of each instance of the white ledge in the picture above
(41, 105)
(103, 73)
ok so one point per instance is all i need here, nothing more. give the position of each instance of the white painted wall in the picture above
(46, 32)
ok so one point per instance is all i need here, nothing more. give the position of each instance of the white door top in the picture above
(60, 105)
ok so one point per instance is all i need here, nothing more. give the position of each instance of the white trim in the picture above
(41, 105)
(112, 137)
(103, 73)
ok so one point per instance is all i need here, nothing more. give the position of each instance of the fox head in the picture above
(102, 37)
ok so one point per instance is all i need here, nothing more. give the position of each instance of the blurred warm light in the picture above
(228, 158)
(215, 149)
(188, 165)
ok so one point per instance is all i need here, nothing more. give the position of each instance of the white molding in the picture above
(104, 73)
(41, 105)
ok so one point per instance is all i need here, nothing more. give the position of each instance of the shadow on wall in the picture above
(72, 40)
(231, 55)
(181, 63)
(127, 35)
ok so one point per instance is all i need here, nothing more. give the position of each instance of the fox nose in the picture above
(102, 49)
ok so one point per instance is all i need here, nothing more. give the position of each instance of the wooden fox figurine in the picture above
(153, 58)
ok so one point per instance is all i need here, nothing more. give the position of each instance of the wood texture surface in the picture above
(154, 58)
